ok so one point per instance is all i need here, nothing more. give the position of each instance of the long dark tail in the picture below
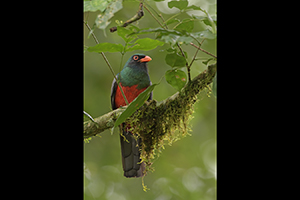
(131, 156)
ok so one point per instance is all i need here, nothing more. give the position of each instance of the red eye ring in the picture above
(135, 57)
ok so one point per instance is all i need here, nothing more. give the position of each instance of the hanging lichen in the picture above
(168, 121)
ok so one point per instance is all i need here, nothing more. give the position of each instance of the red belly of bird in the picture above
(131, 92)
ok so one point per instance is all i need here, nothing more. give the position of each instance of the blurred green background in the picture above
(185, 170)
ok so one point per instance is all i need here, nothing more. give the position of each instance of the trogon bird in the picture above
(133, 79)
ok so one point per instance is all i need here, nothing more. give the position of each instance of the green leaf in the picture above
(193, 7)
(123, 32)
(133, 28)
(106, 47)
(172, 21)
(148, 30)
(168, 36)
(186, 25)
(176, 78)
(206, 62)
(209, 23)
(210, 20)
(204, 34)
(161, 31)
(206, 20)
(102, 19)
(175, 60)
(134, 105)
(145, 44)
(95, 5)
(214, 86)
(182, 4)
(171, 50)
(173, 39)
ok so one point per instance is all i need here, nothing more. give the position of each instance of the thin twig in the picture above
(137, 16)
(154, 17)
(108, 64)
(87, 25)
(186, 63)
(194, 58)
(201, 42)
(159, 15)
(198, 47)
(203, 50)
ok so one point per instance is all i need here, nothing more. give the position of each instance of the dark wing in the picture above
(151, 94)
(114, 86)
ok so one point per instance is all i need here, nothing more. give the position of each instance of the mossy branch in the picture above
(188, 92)
(101, 123)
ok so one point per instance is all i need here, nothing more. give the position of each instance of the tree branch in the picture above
(101, 123)
(137, 16)
(191, 89)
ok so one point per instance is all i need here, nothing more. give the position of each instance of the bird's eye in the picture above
(135, 57)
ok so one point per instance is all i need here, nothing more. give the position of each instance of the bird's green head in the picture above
(135, 71)
(137, 60)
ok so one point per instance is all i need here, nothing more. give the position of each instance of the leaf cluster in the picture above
(131, 44)
(107, 8)
(181, 33)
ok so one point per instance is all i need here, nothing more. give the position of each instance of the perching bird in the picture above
(134, 79)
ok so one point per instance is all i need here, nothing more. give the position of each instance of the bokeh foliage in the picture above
(186, 170)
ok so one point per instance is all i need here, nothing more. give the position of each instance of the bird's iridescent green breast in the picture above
(135, 75)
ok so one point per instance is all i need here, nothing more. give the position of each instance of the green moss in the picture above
(162, 124)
